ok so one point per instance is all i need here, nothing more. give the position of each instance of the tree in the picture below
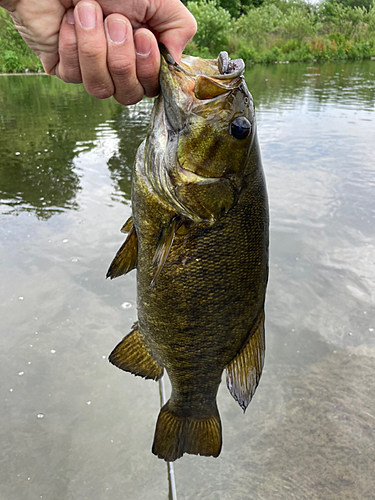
(365, 4)
(234, 7)
(213, 26)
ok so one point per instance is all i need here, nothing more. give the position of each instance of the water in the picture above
(75, 427)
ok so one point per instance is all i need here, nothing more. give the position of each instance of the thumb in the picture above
(174, 26)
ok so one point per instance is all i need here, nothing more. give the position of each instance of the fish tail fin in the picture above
(178, 434)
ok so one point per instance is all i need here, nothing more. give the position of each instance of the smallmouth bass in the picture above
(198, 237)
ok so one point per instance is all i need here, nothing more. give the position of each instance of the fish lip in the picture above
(194, 178)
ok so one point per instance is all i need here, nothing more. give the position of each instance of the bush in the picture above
(369, 19)
(294, 50)
(349, 21)
(11, 62)
(339, 38)
(213, 26)
(258, 25)
(245, 52)
(301, 54)
(232, 6)
(192, 49)
(235, 7)
(299, 24)
(359, 50)
(269, 56)
(290, 46)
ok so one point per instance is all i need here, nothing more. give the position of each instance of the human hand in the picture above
(117, 55)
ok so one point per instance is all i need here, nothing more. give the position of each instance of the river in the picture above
(73, 426)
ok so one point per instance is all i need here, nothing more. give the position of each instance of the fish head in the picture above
(205, 124)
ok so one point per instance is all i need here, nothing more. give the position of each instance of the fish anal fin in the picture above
(132, 355)
(126, 258)
(163, 247)
(178, 434)
(244, 371)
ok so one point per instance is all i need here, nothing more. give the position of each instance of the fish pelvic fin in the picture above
(178, 434)
(244, 371)
(132, 355)
(126, 258)
(163, 247)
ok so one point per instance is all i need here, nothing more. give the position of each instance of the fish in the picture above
(198, 238)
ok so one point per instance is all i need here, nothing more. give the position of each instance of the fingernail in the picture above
(142, 44)
(116, 30)
(70, 16)
(87, 15)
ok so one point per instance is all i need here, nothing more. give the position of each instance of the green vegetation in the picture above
(15, 56)
(279, 30)
(258, 31)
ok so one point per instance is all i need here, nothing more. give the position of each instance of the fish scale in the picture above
(201, 293)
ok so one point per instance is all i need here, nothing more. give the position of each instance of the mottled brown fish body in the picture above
(204, 311)
(209, 294)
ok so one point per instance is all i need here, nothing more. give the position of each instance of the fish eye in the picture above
(240, 128)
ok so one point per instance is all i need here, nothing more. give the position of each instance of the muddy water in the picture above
(75, 427)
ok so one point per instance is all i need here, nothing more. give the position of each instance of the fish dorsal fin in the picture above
(132, 355)
(127, 225)
(126, 258)
(163, 247)
(243, 373)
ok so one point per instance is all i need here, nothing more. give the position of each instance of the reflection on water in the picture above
(72, 426)
(44, 126)
(131, 126)
(348, 86)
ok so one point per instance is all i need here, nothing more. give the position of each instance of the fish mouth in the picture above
(227, 69)
(193, 81)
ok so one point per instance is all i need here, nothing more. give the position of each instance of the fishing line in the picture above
(171, 477)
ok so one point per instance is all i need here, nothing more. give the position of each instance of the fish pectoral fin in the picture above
(177, 434)
(126, 258)
(163, 247)
(244, 371)
(132, 355)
